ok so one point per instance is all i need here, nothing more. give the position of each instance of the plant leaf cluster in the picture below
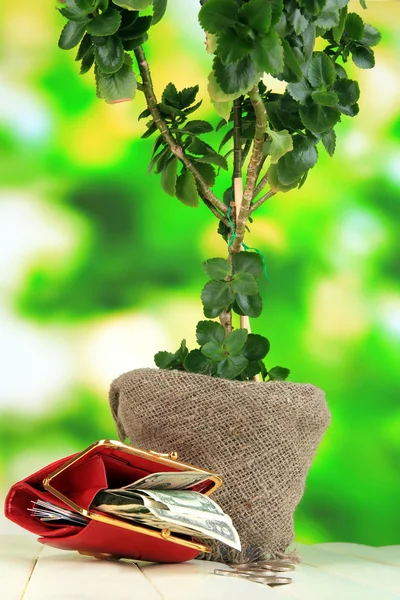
(106, 31)
(318, 91)
(238, 355)
(176, 179)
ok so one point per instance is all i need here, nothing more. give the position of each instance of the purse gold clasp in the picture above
(171, 455)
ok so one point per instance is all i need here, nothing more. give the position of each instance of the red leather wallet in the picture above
(74, 481)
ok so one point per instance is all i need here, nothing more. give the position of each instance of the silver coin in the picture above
(226, 573)
(258, 572)
(278, 566)
(271, 580)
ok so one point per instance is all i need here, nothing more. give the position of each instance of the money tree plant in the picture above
(273, 139)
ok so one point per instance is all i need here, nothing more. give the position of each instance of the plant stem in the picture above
(252, 170)
(176, 149)
(261, 185)
(261, 201)
(245, 152)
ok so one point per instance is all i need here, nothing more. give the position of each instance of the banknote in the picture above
(183, 500)
(164, 510)
(171, 480)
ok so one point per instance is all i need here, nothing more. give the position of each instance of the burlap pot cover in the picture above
(261, 438)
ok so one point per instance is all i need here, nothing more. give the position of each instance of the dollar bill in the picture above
(164, 510)
(185, 501)
(173, 480)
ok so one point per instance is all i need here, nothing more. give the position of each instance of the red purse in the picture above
(74, 481)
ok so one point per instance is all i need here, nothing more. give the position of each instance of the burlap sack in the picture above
(261, 438)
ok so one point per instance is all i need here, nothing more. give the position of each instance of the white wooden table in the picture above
(29, 571)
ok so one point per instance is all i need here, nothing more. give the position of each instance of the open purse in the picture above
(73, 482)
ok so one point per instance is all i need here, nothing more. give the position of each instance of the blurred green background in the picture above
(100, 269)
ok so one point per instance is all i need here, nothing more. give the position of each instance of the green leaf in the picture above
(235, 341)
(187, 96)
(236, 78)
(121, 86)
(231, 47)
(186, 189)
(217, 268)
(133, 4)
(319, 118)
(110, 56)
(197, 126)
(164, 360)
(159, 8)
(105, 24)
(347, 90)
(209, 331)
(314, 7)
(218, 15)
(268, 54)
(303, 157)
(211, 313)
(86, 5)
(71, 35)
(329, 141)
(278, 373)
(277, 11)
(300, 91)
(214, 351)
(73, 12)
(250, 305)
(207, 172)
(354, 27)
(363, 4)
(244, 283)
(216, 294)
(362, 56)
(215, 92)
(257, 15)
(247, 262)
(87, 63)
(135, 43)
(329, 16)
(252, 369)
(291, 61)
(337, 31)
(84, 47)
(206, 154)
(282, 143)
(321, 72)
(275, 184)
(325, 98)
(371, 36)
(232, 366)
(196, 362)
(169, 177)
(309, 35)
(256, 347)
(136, 29)
(298, 21)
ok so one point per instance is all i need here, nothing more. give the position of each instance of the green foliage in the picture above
(248, 38)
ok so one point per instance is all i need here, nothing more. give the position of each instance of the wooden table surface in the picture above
(30, 571)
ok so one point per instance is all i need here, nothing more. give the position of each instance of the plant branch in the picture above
(252, 170)
(261, 185)
(261, 201)
(245, 151)
(176, 149)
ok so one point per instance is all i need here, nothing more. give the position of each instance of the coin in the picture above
(271, 580)
(278, 566)
(226, 573)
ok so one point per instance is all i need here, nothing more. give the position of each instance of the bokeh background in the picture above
(100, 269)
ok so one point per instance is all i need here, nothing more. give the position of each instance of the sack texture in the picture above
(260, 437)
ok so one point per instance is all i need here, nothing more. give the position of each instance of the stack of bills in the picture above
(164, 501)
